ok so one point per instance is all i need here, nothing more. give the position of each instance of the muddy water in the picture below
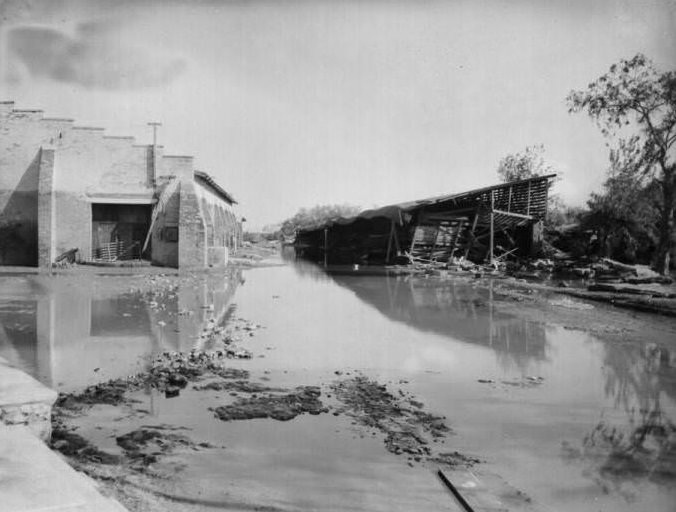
(573, 421)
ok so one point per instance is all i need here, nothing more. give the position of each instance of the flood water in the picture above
(575, 422)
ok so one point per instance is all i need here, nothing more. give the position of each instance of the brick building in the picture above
(65, 187)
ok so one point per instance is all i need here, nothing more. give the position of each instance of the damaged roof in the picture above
(526, 197)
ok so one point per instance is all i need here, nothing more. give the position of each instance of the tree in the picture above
(317, 215)
(634, 98)
(529, 163)
(624, 216)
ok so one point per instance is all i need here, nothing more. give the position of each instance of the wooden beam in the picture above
(455, 240)
(470, 242)
(436, 238)
(515, 215)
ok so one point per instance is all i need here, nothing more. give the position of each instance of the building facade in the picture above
(65, 187)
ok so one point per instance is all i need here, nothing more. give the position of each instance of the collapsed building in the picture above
(68, 190)
(486, 224)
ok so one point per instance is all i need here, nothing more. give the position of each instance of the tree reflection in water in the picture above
(639, 378)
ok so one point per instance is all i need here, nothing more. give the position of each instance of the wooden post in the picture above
(490, 248)
(528, 203)
(434, 245)
(509, 202)
(413, 240)
(461, 224)
(470, 242)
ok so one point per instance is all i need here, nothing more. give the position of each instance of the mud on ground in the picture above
(133, 474)
(407, 429)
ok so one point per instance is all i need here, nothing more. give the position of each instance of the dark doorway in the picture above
(119, 230)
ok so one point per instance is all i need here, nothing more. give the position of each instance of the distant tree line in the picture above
(315, 216)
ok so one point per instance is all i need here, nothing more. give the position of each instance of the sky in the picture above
(291, 103)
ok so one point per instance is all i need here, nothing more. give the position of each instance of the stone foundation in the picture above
(25, 401)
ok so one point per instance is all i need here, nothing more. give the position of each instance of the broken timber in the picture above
(466, 506)
(483, 225)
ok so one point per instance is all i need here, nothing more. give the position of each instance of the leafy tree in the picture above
(634, 98)
(528, 163)
(310, 217)
(624, 216)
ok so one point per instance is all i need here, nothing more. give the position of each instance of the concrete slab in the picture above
(33, 478)
(25, 401)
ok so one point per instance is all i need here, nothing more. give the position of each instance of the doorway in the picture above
(119, 231)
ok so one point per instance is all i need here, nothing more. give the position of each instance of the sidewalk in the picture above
(33, 478)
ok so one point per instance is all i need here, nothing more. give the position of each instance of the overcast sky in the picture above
(297, 103)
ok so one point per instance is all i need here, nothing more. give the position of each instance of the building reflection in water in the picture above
(70, 332)
(454, 309)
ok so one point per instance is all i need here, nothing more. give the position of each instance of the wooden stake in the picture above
(455, 492)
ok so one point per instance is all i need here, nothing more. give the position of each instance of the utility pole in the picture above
(155, 125)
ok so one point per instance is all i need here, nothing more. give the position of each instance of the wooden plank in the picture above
(471, 240)
(455, 240)
(512, 214)
(389, 242)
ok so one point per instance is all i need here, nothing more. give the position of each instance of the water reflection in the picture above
(628, 438)
(70, 331)
(446, 307)
(641, 443)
